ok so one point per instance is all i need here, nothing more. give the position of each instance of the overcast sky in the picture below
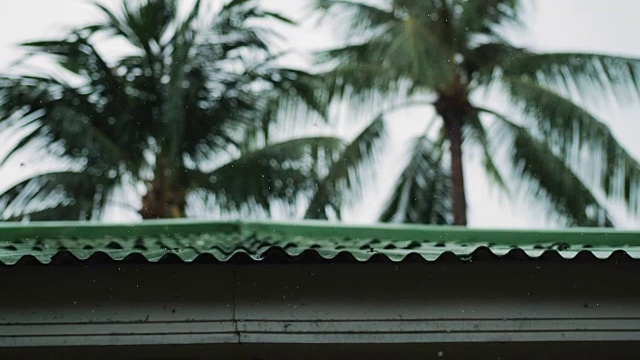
(553, 25)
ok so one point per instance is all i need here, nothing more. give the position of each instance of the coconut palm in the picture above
(447, 53)
(183, 119)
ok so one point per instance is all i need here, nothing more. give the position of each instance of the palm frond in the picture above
(391, 54)
(282, 171)
(362, 18)
(236, 26)
(68, 118)
(144, 23)
(484, 63)
(588, 76)
(476, 134)
(293, 86)
(580, 140)
(346, 175)
(422, 193)
(67, 195)
(372, 82)
(542, 174)
(113, 24)
(174, 107)
(487, 17)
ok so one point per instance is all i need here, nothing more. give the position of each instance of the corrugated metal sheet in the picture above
(191, 241)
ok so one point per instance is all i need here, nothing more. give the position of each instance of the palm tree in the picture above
(448, 52)
(183, 119)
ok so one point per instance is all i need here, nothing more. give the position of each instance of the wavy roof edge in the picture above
(513, 237)
(279, 256)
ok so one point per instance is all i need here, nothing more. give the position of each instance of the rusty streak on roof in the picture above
(207, 241)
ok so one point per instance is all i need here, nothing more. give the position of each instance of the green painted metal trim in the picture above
(447, 234)
(320, 229)
(77, 229)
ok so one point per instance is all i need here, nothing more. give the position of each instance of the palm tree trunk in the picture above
(153, 202)
(158, 204)
(163, 199)
(458, 197)
(454, 108)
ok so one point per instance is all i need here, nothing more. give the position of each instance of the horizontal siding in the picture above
(341, 304)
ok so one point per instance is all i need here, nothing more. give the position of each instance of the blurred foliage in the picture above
(193, 121)
(185, 116)
(547, 146)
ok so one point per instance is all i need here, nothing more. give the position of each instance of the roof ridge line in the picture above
(319, 229)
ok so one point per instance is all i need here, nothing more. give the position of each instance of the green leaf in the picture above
(487, 17)
(580, 140)
(422, 193)
(282, 171)
(541, 174)
(67, 117)
(194, 90)
(475, 133)
(346, 174)
(589, 76)
(58, 196)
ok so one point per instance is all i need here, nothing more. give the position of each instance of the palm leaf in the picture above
(186, 97)
(589, 76)
(346, 175)
(583, 142)
(541, 174)
(114, 25)
(361, 18)
(484, 63)
(422, 193)
(476, 134)
(294, 86)
(68, 117)
(174, 106)
(66, 195)
(487, 17)
(372, 83)
(282, 171)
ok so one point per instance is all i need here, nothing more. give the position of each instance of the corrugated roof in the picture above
(202, 241)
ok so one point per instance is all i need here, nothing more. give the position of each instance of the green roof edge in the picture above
(512, 237)
(48, 229)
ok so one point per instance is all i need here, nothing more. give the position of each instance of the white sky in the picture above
(554, 25)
